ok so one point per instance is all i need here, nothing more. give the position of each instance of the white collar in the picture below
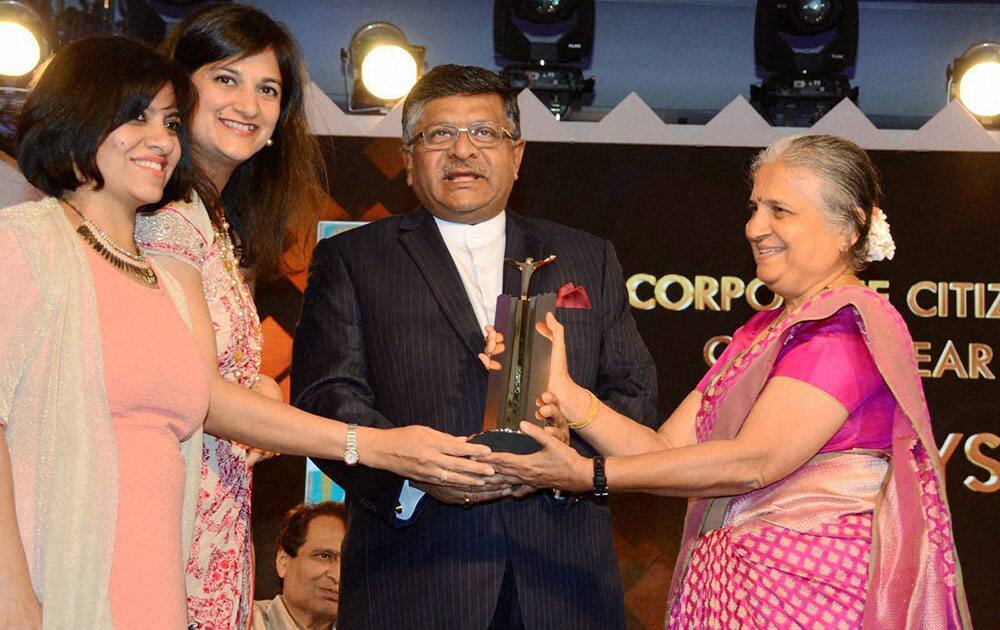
(473, 235)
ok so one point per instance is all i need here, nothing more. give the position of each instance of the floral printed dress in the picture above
(219, 569)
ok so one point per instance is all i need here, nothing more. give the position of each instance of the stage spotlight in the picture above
(974, 79)
(380, 66)
(388, 72)
(804, 49)
(20, 51)
(23, 44)
(544, 35)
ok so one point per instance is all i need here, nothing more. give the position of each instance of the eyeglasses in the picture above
(485, 135)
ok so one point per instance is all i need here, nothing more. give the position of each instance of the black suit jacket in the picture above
(388, 337)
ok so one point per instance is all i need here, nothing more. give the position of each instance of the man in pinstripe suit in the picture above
(391, 326)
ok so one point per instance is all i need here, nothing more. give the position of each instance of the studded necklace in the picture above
(135, 265)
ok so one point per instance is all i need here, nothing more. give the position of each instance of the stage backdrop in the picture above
(676, 215)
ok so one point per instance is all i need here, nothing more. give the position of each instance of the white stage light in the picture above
(380, 66)
(974, 79)
(388, 72)
(979, 89)
(20, 51)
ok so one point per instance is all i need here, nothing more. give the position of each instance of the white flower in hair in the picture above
(879, 244)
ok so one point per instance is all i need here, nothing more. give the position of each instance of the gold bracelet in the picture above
(588, 417)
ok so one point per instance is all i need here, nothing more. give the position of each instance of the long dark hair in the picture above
(278, 190)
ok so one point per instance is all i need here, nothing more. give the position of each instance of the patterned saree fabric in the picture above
(859, 536)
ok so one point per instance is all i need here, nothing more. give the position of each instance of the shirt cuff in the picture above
(409, 497)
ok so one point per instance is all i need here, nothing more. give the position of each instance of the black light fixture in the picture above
(974, 79)
(805, 49)
(548, 40)
(380, 66)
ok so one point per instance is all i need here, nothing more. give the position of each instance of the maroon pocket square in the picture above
(569, 296)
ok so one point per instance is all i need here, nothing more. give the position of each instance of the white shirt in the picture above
(478, 254)
(272, 614)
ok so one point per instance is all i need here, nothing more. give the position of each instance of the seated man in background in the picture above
(308, 563)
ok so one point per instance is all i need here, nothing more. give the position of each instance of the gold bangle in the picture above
(588, 417)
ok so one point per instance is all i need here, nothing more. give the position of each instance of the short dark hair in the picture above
(295, 526)
(89, 89)
(453, 80)
(283, 183)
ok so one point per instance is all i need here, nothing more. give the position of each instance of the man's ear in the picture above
(281, 563)
(518, 155)
(407, 153)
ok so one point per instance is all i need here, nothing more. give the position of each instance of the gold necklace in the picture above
(134, 265)
(230, 259)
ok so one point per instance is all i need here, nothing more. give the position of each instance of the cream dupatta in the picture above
(58, 425)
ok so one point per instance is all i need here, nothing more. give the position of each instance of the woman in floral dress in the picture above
(249, 135)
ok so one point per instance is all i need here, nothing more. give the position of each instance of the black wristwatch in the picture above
(600, 479)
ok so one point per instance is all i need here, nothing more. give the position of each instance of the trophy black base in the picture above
(507, 442)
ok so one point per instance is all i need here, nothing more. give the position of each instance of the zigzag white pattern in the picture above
(738, 125)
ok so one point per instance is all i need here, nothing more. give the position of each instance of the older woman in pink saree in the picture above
(817, 494)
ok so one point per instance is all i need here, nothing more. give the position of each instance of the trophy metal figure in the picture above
(512, 391)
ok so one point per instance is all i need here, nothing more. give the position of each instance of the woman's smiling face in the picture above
(794, 244)
(138, 157)
(239, 103)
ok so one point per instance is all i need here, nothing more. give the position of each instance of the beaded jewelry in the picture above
(134, 265)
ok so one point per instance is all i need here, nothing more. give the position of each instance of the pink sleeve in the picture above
(832, 356)
(174, 232)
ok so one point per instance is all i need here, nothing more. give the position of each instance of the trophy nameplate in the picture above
(524, 374)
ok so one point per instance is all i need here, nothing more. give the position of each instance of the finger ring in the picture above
(444, 475)
(466, 500)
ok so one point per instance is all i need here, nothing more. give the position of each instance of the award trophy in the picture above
(512, 391)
